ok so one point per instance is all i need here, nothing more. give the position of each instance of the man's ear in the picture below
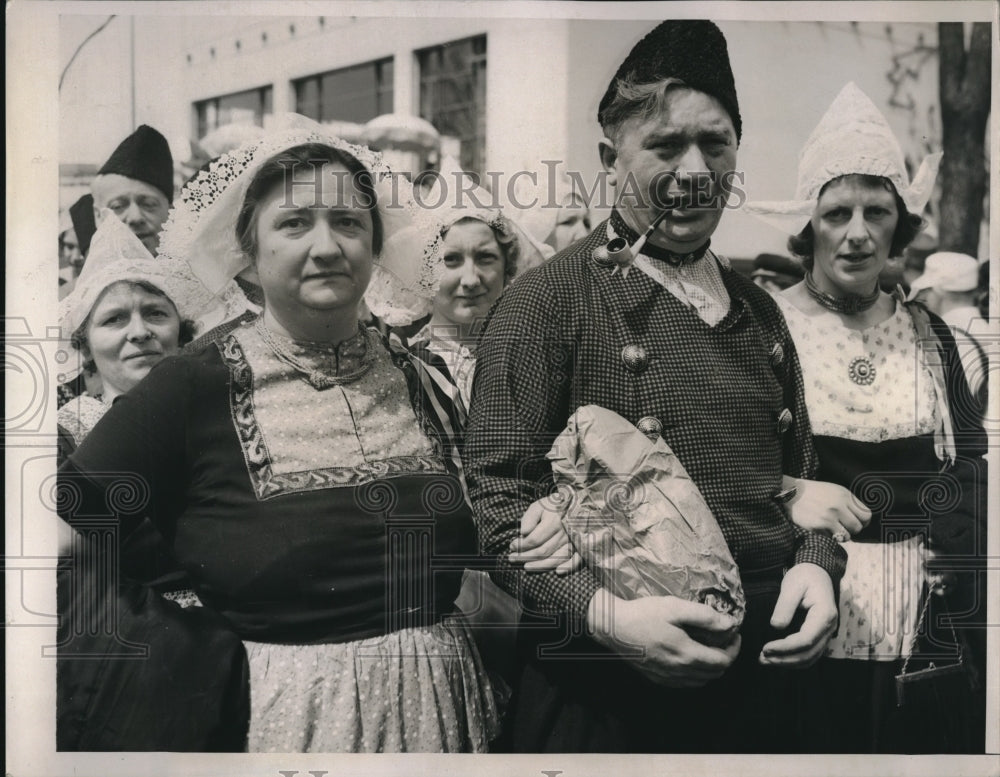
(609, 155)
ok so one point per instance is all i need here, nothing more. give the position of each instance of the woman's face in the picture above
(473, 276)
(572, 224)
(314, 243)
(69, 248)
(853, 224)
(130, 330)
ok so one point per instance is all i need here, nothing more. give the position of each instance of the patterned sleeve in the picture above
(800, 461)
(521, 399)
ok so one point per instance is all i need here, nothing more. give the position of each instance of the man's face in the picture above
(141, 206)
(687, 148)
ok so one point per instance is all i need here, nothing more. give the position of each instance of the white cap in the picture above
(853, 137)
(947, 271)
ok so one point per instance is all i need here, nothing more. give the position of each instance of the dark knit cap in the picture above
(144, 156)
(82, 214)
(692, 51)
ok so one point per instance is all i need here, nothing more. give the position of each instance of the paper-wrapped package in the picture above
(636, 517)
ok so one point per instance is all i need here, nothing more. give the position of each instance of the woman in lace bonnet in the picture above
(892, 421)
(127, 312)
(297, 468)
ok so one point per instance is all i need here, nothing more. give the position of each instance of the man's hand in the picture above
(807, 587)
(543, 544)
(651, 634)
(826, 507)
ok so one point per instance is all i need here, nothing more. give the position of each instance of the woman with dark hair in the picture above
(292, 466)
(893, 426)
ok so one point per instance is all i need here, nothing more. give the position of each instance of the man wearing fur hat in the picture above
(665, 334)
(137, 184)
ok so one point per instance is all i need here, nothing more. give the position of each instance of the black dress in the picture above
(302, 516)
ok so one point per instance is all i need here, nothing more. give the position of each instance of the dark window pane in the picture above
(307, 97)
(385, 85)
(242, 107)
(453, 95)
(356, 93)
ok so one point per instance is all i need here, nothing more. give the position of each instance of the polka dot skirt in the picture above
(414, 690)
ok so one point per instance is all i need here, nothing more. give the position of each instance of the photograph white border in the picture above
(32, 183)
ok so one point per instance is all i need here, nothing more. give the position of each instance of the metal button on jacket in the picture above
(635, 358)
(777, 355)
(785, 420)
(650, 426)
(602, 257)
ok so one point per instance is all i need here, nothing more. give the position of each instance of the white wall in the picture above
(787, 74)
(545, 78)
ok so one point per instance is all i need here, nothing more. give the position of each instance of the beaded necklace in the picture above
(848, 305)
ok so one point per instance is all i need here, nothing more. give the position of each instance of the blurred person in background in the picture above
(950, 287)
(552, 211)
(774, 272)
(137, 184)
(70, 256)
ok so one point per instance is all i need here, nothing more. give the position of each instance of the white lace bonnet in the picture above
(547, 195)
(853, 137)
(116, 254)
(202, 226)
(450, 200)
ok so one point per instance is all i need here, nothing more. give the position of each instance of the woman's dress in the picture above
(878, 399)
(447, 367)
(311, 509)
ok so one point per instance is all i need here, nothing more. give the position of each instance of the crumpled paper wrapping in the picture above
(636, 517)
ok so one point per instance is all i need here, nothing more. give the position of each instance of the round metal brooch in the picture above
(862, 371)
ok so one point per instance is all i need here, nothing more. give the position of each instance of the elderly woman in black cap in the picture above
(643, 318)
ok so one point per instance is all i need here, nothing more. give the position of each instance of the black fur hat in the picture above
(692, 51)
(144, 156)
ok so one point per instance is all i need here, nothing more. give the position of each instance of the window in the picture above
(249, 107)
(356, 94)
(453, 96)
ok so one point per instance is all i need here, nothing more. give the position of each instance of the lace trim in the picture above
(265, 483)
(80, 415)
(860, 433)
(201, 228)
